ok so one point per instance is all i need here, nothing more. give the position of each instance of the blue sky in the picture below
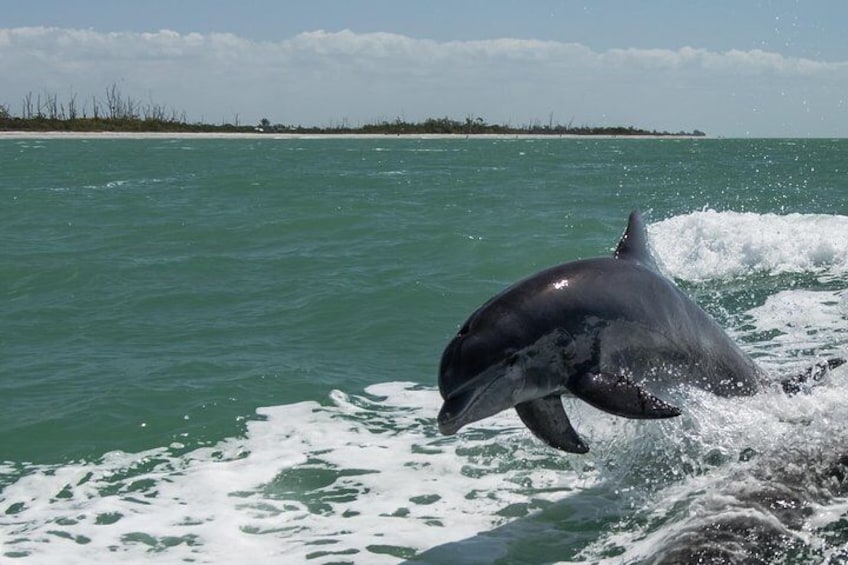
(757, 68)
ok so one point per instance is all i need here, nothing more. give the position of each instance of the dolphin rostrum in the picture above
(612, 331)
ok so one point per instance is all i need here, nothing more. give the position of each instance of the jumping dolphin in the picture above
(611, 331)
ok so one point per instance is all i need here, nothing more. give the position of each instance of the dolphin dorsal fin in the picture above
(633, 245)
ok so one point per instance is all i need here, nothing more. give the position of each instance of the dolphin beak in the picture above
(478, 398)
(454, 414)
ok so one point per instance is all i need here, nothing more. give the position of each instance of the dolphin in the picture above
(611, 331)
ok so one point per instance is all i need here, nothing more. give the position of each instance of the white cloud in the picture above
(320, 77)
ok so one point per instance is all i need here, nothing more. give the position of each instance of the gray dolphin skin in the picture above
(612, 331)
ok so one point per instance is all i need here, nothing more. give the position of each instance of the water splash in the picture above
(709, 244)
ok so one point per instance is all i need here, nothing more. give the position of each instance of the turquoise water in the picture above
(156, 293)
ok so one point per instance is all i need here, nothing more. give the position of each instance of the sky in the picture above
(758, 68)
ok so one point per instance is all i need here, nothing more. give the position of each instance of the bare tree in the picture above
(27, 106)
(51, 105)
(72, 107)
(114, 102)
(131, 109)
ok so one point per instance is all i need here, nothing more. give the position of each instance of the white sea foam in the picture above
(798, 322)
(709, 244)
(365, 479)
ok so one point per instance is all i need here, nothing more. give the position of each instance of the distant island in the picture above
(121, 114)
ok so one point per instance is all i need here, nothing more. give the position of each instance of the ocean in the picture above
(226, 351)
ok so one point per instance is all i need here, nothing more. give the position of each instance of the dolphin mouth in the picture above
(459, 410)
(474, 400)
(450, 417)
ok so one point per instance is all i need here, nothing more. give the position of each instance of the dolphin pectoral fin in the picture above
(814, 374)
(546, 418)
(619, 395)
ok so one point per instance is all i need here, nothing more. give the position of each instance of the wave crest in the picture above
(709, 244)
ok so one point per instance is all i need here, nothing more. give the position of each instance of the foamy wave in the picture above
(709, 244)
(366, 479)
(797, 322)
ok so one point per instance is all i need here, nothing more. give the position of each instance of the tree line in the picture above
(469, 126)
(118, 112)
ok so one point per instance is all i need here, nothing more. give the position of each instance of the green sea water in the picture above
(155, 293)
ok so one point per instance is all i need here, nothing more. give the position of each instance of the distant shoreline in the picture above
(283, 136)
(43, 115)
